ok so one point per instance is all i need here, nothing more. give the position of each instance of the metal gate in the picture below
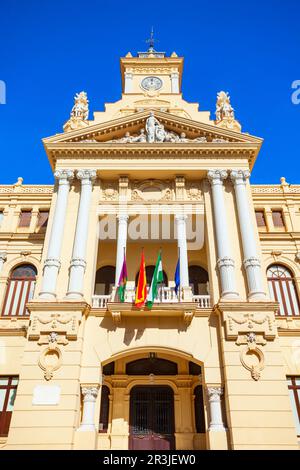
(151, 418)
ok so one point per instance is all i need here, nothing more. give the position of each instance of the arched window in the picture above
(149, 275)
(282, 289)
(152, 365)
(105, 280)
(104, 409)
(198, 280)
(20, 290)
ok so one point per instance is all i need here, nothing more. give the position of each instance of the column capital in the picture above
(122, 217)
(3, 256)
(86, 175)
(89, 393)
(180, 217)
(239, 176)
(214, 393)
(64, 176)
(217, 176)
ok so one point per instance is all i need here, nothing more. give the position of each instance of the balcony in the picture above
(166, 295)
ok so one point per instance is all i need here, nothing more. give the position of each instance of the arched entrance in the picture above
(151, 423)
(149, 394)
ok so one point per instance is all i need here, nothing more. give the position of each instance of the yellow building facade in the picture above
(215, 362)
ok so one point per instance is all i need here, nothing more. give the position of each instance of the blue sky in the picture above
(52, 49)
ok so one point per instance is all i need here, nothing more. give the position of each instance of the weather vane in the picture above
(151, 41)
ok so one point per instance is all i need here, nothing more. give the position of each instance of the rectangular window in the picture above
(1, 217)
(25, 218)
(260, 218)
(278, 218)
(43, 219)
(8, 390)
(294, 392)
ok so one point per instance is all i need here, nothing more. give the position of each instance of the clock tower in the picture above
(151, 81)
(151, 73)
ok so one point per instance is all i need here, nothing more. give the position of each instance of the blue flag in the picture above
(177, 277)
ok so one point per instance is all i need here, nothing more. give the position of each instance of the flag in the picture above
(157, 278)
(141, 290)
(177, 276)
(122, 281)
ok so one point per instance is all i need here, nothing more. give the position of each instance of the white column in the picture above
(88, 413)
(128, 82)
(78, 263)
(121, 244)
(52, 263)
(185, 289)
(175, 82)
(251, 259)
(3, 257)
(225, 261)
(214, 398)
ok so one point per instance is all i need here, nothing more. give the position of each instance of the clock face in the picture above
(151, 83)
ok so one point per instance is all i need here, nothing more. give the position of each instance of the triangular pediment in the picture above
(179, 130)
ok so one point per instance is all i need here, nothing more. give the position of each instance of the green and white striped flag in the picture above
(158, 278)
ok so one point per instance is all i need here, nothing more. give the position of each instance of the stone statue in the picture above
(155, 132)
(81, 106)
(151, 124)
(79, 114)
(223, 106)
(160, 133)
(140, 138)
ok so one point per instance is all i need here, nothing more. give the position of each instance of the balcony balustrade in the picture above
(166, 295)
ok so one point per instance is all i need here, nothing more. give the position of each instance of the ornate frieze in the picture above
(155, 132)
(193, 191)
(109, 191)
(257, 322)
(65, 325)
(152, 191)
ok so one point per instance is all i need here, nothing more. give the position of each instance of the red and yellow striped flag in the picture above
(141, 289)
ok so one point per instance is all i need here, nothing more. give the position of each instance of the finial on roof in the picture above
(283, 180)
(174, 54)
(19, 182)
(128, 54)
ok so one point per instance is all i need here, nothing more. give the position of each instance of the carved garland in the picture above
(251, 330)
(53, 330)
